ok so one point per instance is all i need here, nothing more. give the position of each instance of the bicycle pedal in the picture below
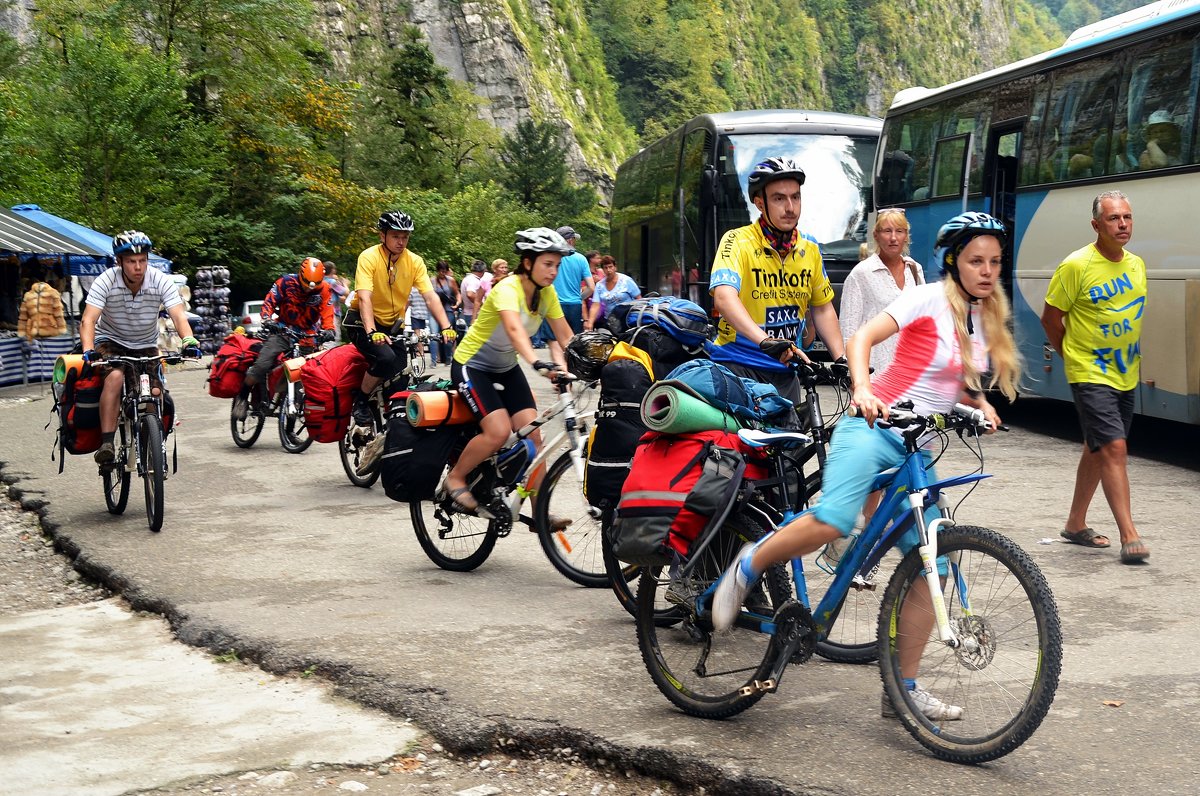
(860, 583)
(758, 686)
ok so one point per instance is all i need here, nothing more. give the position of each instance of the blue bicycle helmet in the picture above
(956, 232)
(131, 242)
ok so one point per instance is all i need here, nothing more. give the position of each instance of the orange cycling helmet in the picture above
(312, 273)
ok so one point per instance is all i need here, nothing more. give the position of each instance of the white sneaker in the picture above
(731, 592)
(930, 706)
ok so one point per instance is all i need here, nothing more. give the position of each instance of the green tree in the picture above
(533, 162)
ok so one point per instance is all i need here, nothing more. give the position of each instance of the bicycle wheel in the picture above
(416, 365)
(577, 551)
(116, 477)
(293, 433)
(458, 542)
(245, 432)
(852, 637)
(1005, 674)
(350, 450)
(154, 466)
(704, 673)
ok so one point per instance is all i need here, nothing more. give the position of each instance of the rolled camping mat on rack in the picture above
(671, 408)
(438, 408)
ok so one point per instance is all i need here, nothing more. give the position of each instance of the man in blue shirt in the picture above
(573, 272)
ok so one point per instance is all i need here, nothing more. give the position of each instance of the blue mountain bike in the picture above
(995, 648)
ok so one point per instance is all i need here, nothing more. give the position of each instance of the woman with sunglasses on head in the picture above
(486, 367)
(950, 334)
(877, 281)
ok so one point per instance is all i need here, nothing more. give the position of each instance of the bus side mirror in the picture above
(708, 186)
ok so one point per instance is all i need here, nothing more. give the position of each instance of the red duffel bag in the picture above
(329, 380)
(230, 363)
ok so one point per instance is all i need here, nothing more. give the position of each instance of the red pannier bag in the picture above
(79, 412)
(230, 363)
(677, 485)
(329, 380)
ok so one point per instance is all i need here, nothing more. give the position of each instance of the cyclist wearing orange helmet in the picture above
(298, 306)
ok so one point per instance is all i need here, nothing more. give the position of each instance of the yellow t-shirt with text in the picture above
(1104, 302)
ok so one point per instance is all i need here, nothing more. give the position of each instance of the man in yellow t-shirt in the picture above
(765, 278)
(1093, 319)
(385, 276)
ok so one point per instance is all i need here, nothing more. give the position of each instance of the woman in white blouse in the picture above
(877, 281)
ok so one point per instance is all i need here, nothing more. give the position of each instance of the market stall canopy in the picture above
(23, 236)
(83, 235)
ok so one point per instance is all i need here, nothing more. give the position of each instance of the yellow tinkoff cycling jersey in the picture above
(776, 292)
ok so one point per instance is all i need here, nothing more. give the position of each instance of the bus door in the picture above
(1000, 182)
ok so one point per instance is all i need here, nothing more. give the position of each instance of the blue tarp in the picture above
(83, 266)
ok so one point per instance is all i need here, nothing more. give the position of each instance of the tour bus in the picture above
(1113, 108)
(675, 199)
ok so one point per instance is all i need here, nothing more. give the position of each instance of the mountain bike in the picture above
(785, 494)
(280, 397)
(996, 647)
(140, 440)
(461, 542)
(357, 462)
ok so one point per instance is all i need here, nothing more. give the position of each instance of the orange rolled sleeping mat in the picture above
(438, 408)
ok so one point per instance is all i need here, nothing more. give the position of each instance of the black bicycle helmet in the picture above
(588, 352)
(395, 220)
(773, 169)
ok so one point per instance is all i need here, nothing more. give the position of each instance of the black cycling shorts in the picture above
(486, 391)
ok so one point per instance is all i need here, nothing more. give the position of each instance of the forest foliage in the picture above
(223, 129)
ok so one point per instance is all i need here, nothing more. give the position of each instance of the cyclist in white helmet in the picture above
(486, 367)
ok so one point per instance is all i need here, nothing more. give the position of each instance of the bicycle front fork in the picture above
(928, 550)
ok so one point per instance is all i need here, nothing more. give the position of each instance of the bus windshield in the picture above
(837, 168)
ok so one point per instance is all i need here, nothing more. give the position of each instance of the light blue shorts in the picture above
(857, 454)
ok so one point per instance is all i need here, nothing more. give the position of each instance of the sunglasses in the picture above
(899, 210)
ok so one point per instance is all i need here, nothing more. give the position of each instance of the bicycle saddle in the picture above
(761, 439)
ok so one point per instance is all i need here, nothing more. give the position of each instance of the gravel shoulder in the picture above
(34, 577)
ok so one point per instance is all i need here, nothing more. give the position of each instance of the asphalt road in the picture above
(280, 558)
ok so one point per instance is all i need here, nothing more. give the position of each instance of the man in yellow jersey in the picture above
(1093, 319)
(765, 277)
(385, 276)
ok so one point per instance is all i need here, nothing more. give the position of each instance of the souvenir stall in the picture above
(35, 262)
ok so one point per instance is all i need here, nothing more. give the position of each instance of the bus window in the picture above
(1028, 174)
(904, 176)
(949, 159)
(691, 177)
(970, 116)
(1075, 140)
(1156, 108)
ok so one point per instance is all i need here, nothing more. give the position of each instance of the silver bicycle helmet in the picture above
(538, 240)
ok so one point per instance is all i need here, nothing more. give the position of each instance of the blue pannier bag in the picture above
(684, 320)
(719, 386)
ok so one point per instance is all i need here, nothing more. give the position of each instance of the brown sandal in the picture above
(1085, 537)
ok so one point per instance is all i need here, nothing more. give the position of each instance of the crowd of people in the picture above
(899, 338)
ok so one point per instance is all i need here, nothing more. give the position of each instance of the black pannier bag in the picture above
(414, 458)
(623, 383)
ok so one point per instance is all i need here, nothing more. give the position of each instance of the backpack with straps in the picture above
(329, 380)
(678, 486)
(741, 397)
(683, 320)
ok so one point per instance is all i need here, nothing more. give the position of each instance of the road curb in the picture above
(460, 730)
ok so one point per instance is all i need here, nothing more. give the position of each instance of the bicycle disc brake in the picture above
(978, 655)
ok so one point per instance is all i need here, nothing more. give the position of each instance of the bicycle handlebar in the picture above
(171, 358)
(960, 418)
